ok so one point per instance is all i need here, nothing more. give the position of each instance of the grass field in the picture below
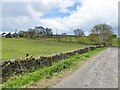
(83, 39)
(13, 48)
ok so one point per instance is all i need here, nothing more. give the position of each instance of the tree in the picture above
(79, 32)
(48, 32)
(31, 33)
(101, 34)
(39, 31)
(21, 33)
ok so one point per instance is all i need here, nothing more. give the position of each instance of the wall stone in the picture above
(21, 65)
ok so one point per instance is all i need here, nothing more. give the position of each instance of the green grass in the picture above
(13, 48)
(82, 39)
(49, 71)
(0, 48)
(116, 42)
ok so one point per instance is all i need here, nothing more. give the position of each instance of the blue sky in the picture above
(74, 6)
(63, 15)
(56, 13)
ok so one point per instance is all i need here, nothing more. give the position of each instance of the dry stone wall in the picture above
(18, 66)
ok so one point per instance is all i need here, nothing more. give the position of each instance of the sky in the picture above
(62, 16)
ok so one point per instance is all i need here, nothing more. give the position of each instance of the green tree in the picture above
(31, 33)
(102, 34)
(79, 32)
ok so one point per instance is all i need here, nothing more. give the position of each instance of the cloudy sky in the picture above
(61, 15)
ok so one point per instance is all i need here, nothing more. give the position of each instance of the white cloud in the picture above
(45, 5)
(94, 12)
(90, 13)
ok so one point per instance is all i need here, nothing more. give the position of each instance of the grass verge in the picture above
(49, 71)
(116, 42)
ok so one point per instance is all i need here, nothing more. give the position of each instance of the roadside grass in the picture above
(116, 42)
(0, 48)
(49, 71)
(13, 48)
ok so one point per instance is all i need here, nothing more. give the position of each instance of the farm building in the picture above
(64, 34)
(9, 35)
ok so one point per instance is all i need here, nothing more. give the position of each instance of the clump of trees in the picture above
(36, 32)
(78, 34)
(102, 34)
(99, 34)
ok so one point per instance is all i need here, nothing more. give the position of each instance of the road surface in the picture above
(101, 71)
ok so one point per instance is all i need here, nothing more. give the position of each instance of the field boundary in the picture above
(21, 65)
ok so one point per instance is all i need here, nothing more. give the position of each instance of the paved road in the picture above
(100, 71)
